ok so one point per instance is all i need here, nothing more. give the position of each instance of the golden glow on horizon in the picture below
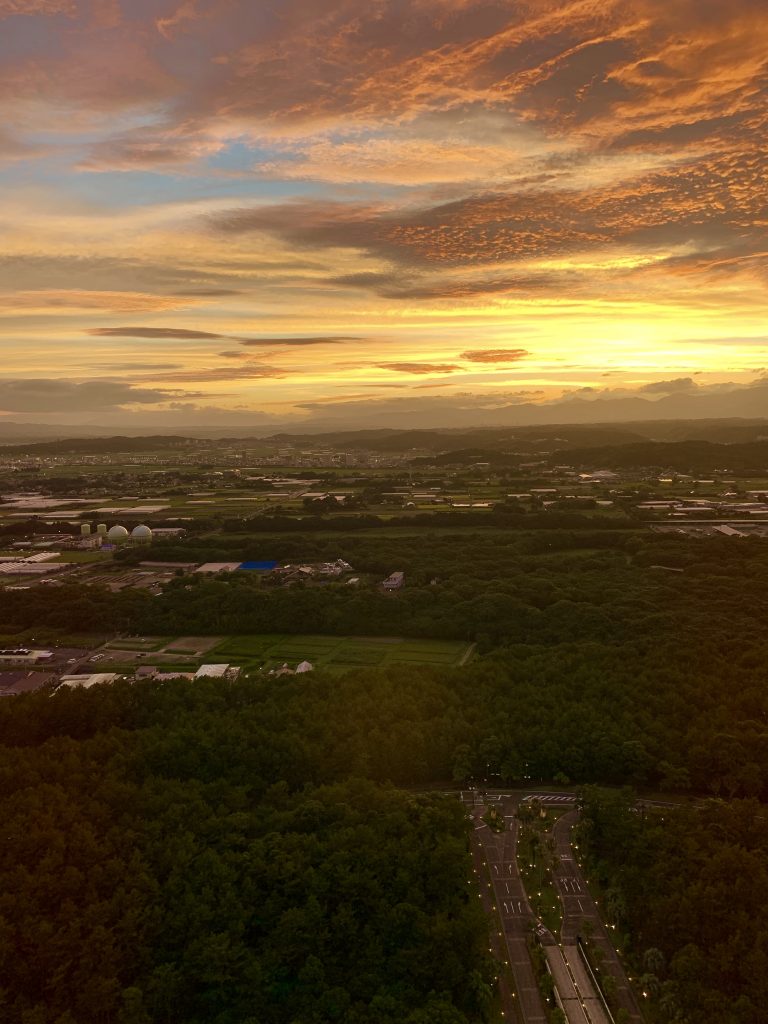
(261, 227)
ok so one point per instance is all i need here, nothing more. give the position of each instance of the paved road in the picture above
(505, 897)
(511, 903)
(498, 946)
(578, 907)
(578, 997)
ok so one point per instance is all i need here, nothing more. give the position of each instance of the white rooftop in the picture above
(92, 680)
(218, 567)
(217, 671)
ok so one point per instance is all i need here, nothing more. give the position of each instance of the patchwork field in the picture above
(272, 650)
(334, 652)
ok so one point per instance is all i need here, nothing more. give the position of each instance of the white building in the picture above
(217, 672)
(214, 567)
(23, 656)
(89, 680)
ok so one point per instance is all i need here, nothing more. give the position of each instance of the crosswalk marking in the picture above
(550, 798)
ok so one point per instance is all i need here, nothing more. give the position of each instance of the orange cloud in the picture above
(495, 355)
(49, 7)
(591, 171)
(44, 300)
(420, 367)
(164, 333)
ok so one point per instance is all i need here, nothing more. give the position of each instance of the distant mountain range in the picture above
(576, 439)
(12, 432)
(531, 438)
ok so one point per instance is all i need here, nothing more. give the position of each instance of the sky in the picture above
(320, 213)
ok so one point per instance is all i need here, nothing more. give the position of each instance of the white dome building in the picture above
(117, 534)
(141, 534)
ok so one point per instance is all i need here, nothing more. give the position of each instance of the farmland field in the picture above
(272, 650)
(337, 652)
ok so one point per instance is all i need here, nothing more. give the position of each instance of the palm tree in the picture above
(650, 983)
(654, 961)
(615, 905)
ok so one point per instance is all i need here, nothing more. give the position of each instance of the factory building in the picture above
(94, 679)
(217, 672)
(23, 656)
(116, 534)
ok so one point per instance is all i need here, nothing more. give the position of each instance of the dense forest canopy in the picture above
(144, 880)
(689, 887)
(179, 851)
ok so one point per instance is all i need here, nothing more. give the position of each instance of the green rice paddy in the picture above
(335, 652)
(272, 650)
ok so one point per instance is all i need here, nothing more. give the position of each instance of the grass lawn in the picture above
(83, 556)
(270, 650)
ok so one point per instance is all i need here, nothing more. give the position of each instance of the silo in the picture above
(102, 529)
(85, 530)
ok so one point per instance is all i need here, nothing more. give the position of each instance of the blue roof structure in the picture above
(258, 566)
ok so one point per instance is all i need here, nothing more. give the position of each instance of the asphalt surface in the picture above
(496, 939)
(505, 899)
(510, 905)
(578, 998)
(579, 907)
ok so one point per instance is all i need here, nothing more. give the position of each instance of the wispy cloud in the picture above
(165, 333)
(568, 183)
(495, 355)
(419, 368)
(190, 334)
(299, 342)
(225, 374)
(43, 7)
(75, 299)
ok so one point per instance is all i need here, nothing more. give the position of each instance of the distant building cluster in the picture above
(299, 573)
(118, 534)
(23, 656)
(213, 568)
(37, 565)
(286, 670)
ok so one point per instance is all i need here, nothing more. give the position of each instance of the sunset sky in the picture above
(382, 213)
